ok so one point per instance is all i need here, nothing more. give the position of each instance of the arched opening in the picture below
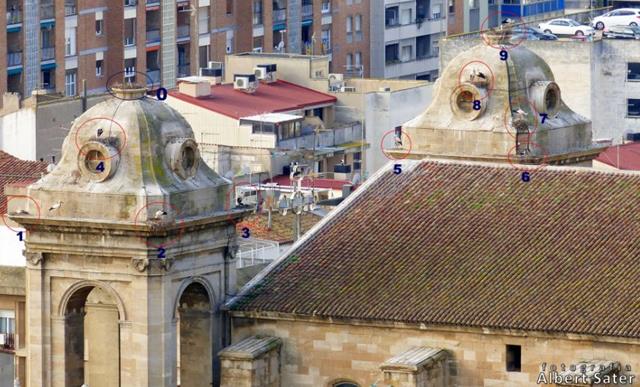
(92, 339)
(195, 345)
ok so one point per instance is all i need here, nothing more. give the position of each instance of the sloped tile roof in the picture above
(17, 171)
(626, 156)
(470, 244)
(282, 230)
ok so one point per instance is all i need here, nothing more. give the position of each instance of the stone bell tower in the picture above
(128, 249)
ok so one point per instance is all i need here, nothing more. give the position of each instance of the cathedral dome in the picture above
(125, 153)
(490, 101)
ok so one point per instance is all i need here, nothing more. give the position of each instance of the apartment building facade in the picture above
(55, 44)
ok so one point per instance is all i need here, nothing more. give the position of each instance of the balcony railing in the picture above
(183, 31)
(129, 40)
(153, 36)
(153, 77)
(307, 10)
(48, 53)
(70, 9)
(184, 70)
(342, 133)
(257, 19)
(46, 11)
(279, 15)
(7, 341)
(129, 72)
(14, 17)
(14, 58)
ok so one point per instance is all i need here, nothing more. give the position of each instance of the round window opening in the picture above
(188, 158)
(551, 99)
(464, 100)
(94, 161)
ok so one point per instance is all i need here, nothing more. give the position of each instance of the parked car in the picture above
(565, 27)
(530, 33)
(625, 32)
(617, 17)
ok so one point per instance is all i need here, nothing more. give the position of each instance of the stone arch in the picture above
(194, 314)
(87, 286)
(185, 284)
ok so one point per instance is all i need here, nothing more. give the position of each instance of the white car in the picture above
(565, 27)
(617, 17)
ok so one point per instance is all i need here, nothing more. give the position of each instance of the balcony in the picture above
(46, 11)
(14, 17)
(183, 31)
(153, 36)
(7, 341)
(279, 15)
(70, 8)
(307, 11)
(417, 28)
(14, 58)
(153, 77)
(396, 69)
(47, 53)
(342, 134)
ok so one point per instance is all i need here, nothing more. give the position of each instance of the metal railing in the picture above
(47, 53)
(7, 341)
(70, 9)
(47, 11)
(257, 252)
(14, 17)
(279, 15)
(129, 72)
(153, 36)
(153, 77)
(183, 31)
(307, 10)
(14, 58)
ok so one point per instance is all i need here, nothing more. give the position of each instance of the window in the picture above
(69, 41)
(48, 79)
(99, 64)
(391, 53)
(203, 20)
(391, 16)
(436, 11)
(229, 7)
(70, 83)
(452, 6)
(358, 23)
(99, 27)
(397, 135)
(326, 6)
(633, 108)
(474, 4)
(406, 53)
(514, 363)
(7, 321)
(129, 32)
(261, 127)
(203, 55)
(349, 60)
(358, 58)
(257, 12)
(326, 40)
(407, 16)
(357, 161)
(349, 24)
(633, 71)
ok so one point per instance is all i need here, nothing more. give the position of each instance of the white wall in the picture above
(18, 134)
(11, 253)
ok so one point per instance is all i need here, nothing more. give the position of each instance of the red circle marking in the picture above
(507, 112)
(170, 242)
(124, 134)
(491, 84)
(11, 197)
(402, 132)
(525, 167)
(499, 14)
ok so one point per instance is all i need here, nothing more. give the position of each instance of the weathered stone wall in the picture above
(263, 371)
(101, 329)
(314, 354)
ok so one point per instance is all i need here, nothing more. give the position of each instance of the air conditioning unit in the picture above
(245, 82)
(348, 89)
(266, 72)
(210, 72)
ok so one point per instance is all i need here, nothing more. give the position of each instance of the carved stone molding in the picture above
(146, 264)
(34, 258)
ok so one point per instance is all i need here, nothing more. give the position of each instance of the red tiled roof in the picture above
(469, 244)
(281, 226)
(311, 182)
(625, 156)
(279, 96)
(15, 171)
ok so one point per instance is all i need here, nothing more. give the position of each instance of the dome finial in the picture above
(129, 91)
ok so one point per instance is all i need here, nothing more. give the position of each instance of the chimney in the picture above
(197, 87)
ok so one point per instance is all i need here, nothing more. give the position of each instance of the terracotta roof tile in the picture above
(469, 244)
(281, 226)
(16, 171)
